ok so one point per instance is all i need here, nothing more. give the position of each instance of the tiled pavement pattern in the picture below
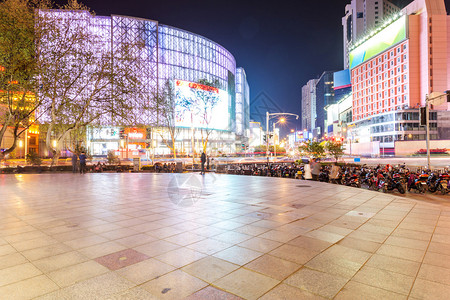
(120, 236)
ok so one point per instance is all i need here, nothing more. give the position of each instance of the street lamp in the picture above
(282, 120)
(268, 117)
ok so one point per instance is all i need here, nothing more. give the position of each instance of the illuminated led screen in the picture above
(342, 79)
(388, 37)
(200, 106)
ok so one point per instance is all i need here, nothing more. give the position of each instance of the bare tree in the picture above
(166, 123)
(85, 83)
(19, 67)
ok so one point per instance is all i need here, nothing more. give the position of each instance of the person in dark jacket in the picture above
(74, 162)
(203, 158)
(82, 163)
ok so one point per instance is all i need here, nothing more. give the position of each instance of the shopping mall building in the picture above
(183, 59)
(393, 69)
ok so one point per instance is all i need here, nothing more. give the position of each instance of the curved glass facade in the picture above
(191, 57)
(169, 54)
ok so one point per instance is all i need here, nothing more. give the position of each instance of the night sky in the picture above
(280, 44)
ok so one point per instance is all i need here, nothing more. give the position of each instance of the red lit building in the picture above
(394, 68)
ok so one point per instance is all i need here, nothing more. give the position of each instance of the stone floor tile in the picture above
(46, 251)
(210, 268)
(34, 243)
(238, 255)
(400, 252)
(28, 288)
(174, 285)
(424, 289)
(383, 279)
(368, 236)
(246, 284)
(180, 257)
(251, 230)
(26, 236)
(407, 243)
(208, 231)
(105, 286)
(156, 248)
(310, 243)
(145, 270)
(232, 237)
(12, 260)
(135, 293)
(260, 244)
(359, 244)
(18, 273)
(76, 273)
(209, 246)
(101, 249)
(118, 233)
(437, 259)
(211, 293)
(325, 236)
(103, 228)
(278, 236)
(355, 290)
(434, 273)
(394, 264)
(7, 249)
(336, 229)
(185, 238)
(287, 292)
(72, 235)
(294, 254)
(272, 266)
(412, 234)
(136, 240)
(121, 259)
(441, 248)
(334, 265)
(316, 282)
(59, 261)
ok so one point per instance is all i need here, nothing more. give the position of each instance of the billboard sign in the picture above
(200, 106)
(342, 79)
(383, 40)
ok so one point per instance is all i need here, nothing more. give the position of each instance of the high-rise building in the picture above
(360, 17)
(394, 68)
(242, 103)
(309, 114)
(324, 97)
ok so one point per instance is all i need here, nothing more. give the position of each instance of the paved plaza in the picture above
(176, 236)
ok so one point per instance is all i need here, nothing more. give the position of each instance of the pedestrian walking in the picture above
(203, 159)
(74, 162)
(315, 169)
(334, 173)
(307, 170)
(207, 163)
(82, 163)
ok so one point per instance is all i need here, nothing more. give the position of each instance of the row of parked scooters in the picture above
(390, 178)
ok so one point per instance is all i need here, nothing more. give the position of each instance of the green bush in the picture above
(33, 159)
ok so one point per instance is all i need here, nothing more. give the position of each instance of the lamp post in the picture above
(268, 117)
(282, 120)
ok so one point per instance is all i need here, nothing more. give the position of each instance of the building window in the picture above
(360, 15)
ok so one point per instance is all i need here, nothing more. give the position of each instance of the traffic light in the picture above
(122, 134)
(265, 138)
(423, 116)
(243, 146)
